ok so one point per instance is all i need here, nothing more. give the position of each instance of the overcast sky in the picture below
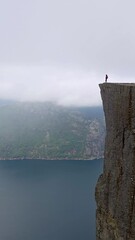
(59, 50)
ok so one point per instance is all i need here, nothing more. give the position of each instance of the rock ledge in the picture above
(115, 190)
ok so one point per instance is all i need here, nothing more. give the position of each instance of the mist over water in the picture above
(50, 200)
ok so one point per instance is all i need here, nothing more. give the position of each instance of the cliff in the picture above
(115, 190)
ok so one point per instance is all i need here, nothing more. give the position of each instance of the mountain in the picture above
(48, 131)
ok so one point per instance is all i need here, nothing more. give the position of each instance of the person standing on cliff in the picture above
(106, 77)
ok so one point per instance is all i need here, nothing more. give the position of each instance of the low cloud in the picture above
(48, 83)
(63, 86)
(61, 50)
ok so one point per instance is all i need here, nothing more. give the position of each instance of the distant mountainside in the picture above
(48, 131)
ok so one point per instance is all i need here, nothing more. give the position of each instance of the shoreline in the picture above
(51, 159)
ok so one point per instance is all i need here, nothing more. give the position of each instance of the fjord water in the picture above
(48, 200)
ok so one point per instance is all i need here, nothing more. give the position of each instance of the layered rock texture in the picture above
(115, 190)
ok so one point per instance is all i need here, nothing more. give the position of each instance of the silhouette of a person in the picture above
(106, 77)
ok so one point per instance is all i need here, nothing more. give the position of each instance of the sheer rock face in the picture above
(115, 190)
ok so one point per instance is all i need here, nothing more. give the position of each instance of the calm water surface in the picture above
(48, 200)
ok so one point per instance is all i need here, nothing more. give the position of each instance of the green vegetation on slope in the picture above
(44, 130)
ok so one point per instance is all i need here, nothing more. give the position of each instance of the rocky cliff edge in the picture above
(115, 190)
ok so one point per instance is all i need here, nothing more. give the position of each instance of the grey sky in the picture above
(60, 50)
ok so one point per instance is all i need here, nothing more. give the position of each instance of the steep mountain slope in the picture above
(44, 130)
